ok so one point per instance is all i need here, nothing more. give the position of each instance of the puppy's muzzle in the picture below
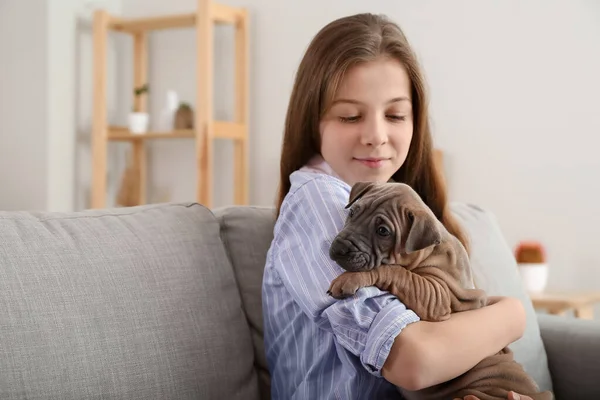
(340, 248)
(347, 255)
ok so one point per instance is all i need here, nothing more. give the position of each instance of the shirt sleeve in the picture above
(365, 324)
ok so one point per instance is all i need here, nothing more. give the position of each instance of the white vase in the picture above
(138, 122)
(167, 114)
(534, 276)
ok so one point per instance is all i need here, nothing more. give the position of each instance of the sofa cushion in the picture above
(247, 233)
(495, 271)
(136, 303)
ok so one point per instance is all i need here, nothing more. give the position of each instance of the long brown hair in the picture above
(338, 46)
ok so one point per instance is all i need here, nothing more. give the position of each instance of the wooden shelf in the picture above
(220, 14)
(229, 130)
(223, 14)
(205, 130)
(133, 25)
(582, 303)
(222, 130)
(123, 134)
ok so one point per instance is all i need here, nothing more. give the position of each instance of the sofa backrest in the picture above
(247, 233)
(165, 300)
(495, 270)
(137, 302)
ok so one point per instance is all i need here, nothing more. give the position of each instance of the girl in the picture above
(358, 112)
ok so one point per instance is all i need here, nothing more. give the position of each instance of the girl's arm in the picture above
(364, 326)
(429, 353)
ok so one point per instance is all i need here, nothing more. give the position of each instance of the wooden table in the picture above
(582, 303)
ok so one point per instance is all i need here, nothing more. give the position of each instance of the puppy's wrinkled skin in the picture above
(393, 241)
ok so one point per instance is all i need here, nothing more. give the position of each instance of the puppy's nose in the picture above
(338, 249)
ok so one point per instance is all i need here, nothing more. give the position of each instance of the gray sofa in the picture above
(164, 302)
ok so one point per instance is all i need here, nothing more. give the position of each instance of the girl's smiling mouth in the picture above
(372, 162)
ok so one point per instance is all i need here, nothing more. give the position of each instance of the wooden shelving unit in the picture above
(206, 129)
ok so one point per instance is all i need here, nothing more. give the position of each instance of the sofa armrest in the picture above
(573, 349)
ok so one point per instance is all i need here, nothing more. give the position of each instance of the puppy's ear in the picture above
(358, 190)
(423, 232)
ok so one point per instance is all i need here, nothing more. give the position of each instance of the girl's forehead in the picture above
(382, 76)
(379, 73)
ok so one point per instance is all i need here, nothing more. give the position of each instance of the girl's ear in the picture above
(358, 190)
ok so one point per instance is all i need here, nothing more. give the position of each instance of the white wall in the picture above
(45, 101)
(23, 110)
(514, 89)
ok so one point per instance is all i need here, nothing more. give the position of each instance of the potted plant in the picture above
(138, 120)
(532, 264)
(184, 117)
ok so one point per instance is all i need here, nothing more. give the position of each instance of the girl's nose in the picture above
(374, 133)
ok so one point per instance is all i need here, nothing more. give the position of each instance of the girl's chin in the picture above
(381, 177)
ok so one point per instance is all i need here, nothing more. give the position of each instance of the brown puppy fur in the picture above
(392, 240)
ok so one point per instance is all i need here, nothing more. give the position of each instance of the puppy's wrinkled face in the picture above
(367, 240)
(384, 221)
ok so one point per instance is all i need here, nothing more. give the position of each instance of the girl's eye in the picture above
(397, 117)
(352, 119)
(349, 119)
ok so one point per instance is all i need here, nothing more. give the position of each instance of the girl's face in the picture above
(366, 134)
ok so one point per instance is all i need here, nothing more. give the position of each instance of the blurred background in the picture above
(514, 88)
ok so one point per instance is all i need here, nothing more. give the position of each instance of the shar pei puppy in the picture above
(393, 241)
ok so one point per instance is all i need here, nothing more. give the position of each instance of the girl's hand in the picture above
(511, 396)
(516, 396)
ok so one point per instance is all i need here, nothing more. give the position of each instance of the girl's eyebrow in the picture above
(353, 101)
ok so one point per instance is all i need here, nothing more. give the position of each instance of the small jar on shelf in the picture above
(533, 266)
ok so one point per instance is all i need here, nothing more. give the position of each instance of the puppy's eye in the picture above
(383, 231)
(351, 212)
(411, 216)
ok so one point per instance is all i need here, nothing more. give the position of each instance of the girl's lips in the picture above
(371, 162)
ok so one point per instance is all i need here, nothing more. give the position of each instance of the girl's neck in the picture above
(319, 165)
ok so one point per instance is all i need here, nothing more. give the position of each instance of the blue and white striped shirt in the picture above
(318, 347)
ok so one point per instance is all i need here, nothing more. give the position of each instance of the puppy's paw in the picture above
(345, 285)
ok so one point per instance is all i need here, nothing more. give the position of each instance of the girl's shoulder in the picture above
(314, 207)
(314, 196)
(306, 183)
